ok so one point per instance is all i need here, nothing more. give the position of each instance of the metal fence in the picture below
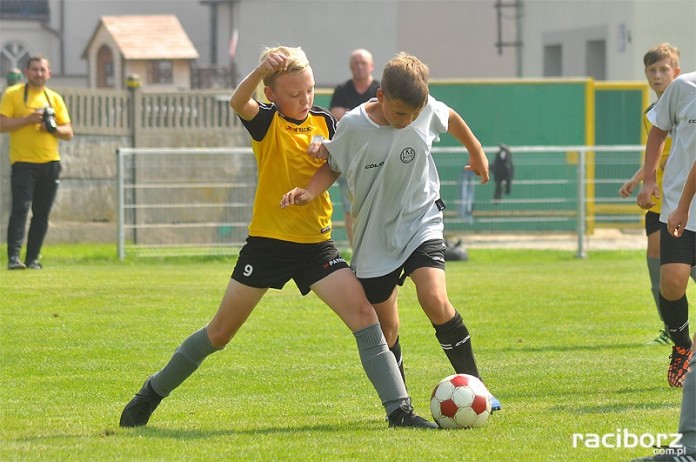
(199, 201)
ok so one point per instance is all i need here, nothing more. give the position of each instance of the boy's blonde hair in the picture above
(660, 52)
(297, 61)
(405, 78)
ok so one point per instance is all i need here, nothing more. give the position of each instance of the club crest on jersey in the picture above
(407, 155)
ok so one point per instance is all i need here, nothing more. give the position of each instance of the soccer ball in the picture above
(460, 401)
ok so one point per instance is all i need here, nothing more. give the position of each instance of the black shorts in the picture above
(265, 263)
(430, 254)
(680, 249)
(652, 222)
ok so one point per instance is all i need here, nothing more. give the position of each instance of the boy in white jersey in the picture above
(284, 244)
(661, 68)
(383, 149)
(675, 114)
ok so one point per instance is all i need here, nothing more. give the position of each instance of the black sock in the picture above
(455, 341)
(396, 350)
(676, 316)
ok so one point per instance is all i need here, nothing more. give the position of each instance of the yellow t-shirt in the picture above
(661, 165)
(280, 148)
(29, 144)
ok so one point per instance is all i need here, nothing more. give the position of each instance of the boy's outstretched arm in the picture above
(478, 162)
(679, 216)
(626, 189)
(320, 182)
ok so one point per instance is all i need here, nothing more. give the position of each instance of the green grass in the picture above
(559, 340)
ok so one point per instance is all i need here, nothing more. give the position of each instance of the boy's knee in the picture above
(219, 337)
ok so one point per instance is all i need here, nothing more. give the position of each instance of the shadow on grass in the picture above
(566, 348)
(171, 433)
(611, 408)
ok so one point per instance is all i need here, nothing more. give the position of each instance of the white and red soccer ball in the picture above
(460, 401)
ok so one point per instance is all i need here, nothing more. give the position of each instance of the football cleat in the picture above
(138, 411)
(405, 417)
(678, 366)
(495, 404)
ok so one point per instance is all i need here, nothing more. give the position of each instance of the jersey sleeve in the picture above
(440, 120)
(339, 146)
(258, 126)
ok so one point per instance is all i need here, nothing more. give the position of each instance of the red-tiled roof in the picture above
(150, 37)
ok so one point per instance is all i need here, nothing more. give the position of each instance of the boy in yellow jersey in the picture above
(661, 68)
(285, 244)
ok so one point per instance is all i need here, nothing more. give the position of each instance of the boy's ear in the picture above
(380, 95)
(677, 71)
(268, 93)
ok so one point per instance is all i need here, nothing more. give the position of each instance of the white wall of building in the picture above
(628, 27)
(456, 38)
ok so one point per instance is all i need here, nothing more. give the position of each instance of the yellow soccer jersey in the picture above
(661, 165)
(29, 144)
(280, 148)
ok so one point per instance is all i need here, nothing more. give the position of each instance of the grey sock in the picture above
(380, 366)
(654, 271)
(183, 363)
(687, 419)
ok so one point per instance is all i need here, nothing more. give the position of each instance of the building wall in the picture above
(629, 29)
(456, 38)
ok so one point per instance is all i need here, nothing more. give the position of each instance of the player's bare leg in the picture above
(344, 294)
(237, 304)
(450, 330)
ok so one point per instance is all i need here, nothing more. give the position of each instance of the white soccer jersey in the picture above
(675, 112)
(393, 185)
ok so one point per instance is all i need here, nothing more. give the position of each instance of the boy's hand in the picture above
(479, 165)
(274, 62)
(317, 150)
(626, 189)
(296, 196)
(647, 192)
(676, 222)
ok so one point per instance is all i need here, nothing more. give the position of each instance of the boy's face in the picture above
(293, 94)
(397, 113)
(660, 74)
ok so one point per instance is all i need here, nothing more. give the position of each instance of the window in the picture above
(553, 60)
(13, 54)
(596, 59)
(24, 9)
(160, 72)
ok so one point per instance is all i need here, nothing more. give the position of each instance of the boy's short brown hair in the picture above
(660, 52)
(297, 61)
(405, 78)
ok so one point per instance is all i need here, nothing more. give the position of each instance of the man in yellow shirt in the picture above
(36, 119)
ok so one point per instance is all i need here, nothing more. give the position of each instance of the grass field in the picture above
(559, 340)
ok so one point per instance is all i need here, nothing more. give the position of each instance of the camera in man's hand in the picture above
(49, 120)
